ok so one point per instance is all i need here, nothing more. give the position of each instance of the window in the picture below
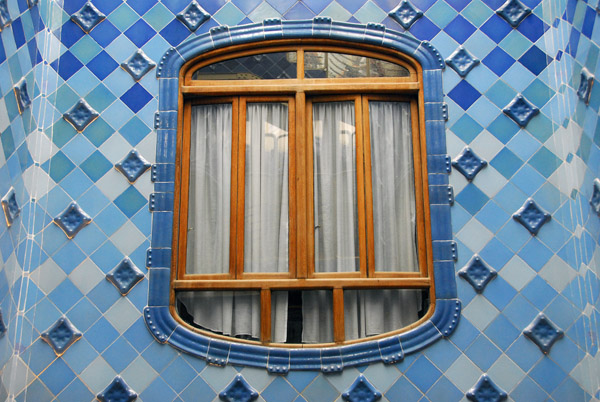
(301, 215)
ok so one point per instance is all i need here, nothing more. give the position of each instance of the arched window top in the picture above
(326, 50)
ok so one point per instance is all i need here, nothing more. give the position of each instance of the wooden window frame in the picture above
(299, 93)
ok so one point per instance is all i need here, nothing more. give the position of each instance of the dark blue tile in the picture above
(502, 332)
(535, 60)
(498, 61)
(177, 5)
(533, 27)
(175, 32)
(496, 28)
(2, 54)
(539, 293)
(107, 6)
(423, 374)
(101, 335)
(57, 376)
(104, 33)
(494, 4)
(140, 33)
(136, 97)
(424, 29)
(65, 295)
(141, 6)
(460, 29)
(548, 374)
(483, 352)
(535, 254)
(66, 65)
(464, 94)
(102, 65)
(573, 42)
(588, 21)
(246, 6)
(120, 354)
(72, 6)
(34, 54)
(458, 5)
(422, 5)
(18, 34)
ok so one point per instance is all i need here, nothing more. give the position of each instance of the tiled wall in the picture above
(554, 160)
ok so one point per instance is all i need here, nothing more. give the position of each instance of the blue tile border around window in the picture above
(280, 360)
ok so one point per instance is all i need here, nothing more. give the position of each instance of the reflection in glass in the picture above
(264, 66)
(340, 65)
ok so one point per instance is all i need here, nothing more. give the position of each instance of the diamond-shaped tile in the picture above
(486, 391)
(585, 85)
(238, 390)
(531, 216)
(595, 201)
(10, 207)
(520, 110)
(117, 391)
(72, 220)
(4, 15)
(513, 11)
(462, 61)
(138, 65)
(81, 115)
(88, 17)
(125, 276)
(361, 390)
(193, 16)
(32, 3)
(468, 163)
(477, 273)
(543, 333)
(61, 335)
(406, 14)
(133, 166)
(2, 325)
(23, 99)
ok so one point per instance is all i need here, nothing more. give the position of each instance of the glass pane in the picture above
(340, 65)
(335, 197)
(266, 194)
(264, 66)
(377, 311)
(306, 316)
(222, 312)
(210, 190)
(392, 171)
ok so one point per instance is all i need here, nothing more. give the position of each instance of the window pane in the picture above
(393, 187)
(377, 311)
(222, 312)
(210, 190)
(305, 317)
(340, 65)
(266, 212)
(335, 198)
(259, 66)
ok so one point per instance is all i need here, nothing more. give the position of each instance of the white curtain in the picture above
(265, 221)
(369, 312)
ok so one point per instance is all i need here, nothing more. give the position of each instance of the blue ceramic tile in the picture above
(238, 391)
(424, 29)
(66, 65)
(506, 163)
(125, 276)
(471, 198)
(406, 14)
(498, 61)
(543, 333)
(468, 163)
(95, 166)
(464, 94)
(278, 390)
(133, 166)
(502, 332)
(120, 354)
(10, 207)
(130, 201)
(57, 376)
(423, 374)
(486, 391)
(403, 390)
(117, 390)
(539, 293)
(61, 335)
(88, 17)
(102, 65)
(477, 273)
(535, 60)
(101, 335)
(533, 27)
(460, 29)
(136, 97)
(193, 16)
(140, 33)
(72, 220)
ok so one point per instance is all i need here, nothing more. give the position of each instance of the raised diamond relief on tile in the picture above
(61, 335)
(486, 391)
(2, 325)
(81, 115)
(361, 390)
(138, 65)
(117, 391)
(72, 220)
(238, 390)
(193, 16)
(32, 3)
(10, 207)
(595, 201)
(4, 15)
(531, 216)
(133, 166)
(477, 273)
(405, 14)
(468, 163)
(520, 110)
(23, 100)
(585, 85)
(125, 276)
(543, 333)
(88, 17)
(513, 11)
(462, 61)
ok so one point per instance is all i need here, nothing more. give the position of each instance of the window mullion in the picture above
(265, 315)
(338, 315)
(240, 136)
(303, 181)
(368, 190)
(360, 184)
